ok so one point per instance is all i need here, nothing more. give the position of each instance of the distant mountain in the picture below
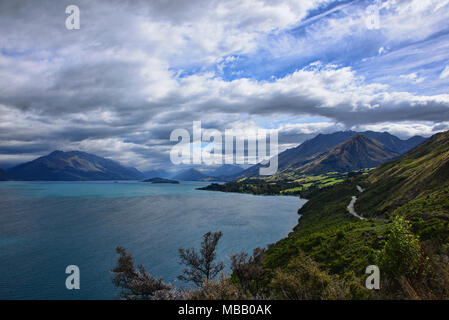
(307, 151)
(225, 170)
(73, 166)
(205, 174)
(358, 152)
(394, 143)
(190, 175)
(4, 176)
(156, 174)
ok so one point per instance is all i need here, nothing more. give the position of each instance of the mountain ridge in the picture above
(358, 152)
(73, 166)
(308, 150)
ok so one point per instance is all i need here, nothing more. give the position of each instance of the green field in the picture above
(285, 183)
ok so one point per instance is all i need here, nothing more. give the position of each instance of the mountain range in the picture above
(313, 151)
(358, 152)
(340, 152)
(73, 166)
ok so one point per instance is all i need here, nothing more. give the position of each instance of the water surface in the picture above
(46, 226)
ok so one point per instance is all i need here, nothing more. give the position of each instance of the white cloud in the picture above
(406, 129)
(413, 77)
(445, 73)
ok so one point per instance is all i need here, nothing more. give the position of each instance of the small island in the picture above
(161, 180)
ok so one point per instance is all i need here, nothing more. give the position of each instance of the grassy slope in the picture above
(330, 235)
(421, 172)
(415, 185)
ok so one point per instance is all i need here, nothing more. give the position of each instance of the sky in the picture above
(137, 70)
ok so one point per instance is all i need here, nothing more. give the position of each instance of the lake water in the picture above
(46, 226)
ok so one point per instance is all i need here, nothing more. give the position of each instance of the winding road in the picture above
(352, 203)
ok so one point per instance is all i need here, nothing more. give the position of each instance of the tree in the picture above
(137, 284)
(201, 266)
(401, 254)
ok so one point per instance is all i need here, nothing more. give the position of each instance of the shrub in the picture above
(221, 289)
(248, 272)
(304, 280)
(401, 254)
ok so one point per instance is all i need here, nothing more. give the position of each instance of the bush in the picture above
(401, 254)
(221, 289)
(248, 272)
(304, 280)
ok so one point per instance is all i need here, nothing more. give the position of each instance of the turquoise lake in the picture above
(46, 226)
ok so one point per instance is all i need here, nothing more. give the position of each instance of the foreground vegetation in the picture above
(407, 273)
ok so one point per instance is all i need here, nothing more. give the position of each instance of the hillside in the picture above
(414, 186)
(358, 152)
(73, 166)
(421, 175)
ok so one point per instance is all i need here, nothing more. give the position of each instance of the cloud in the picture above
(445, 73)
(136, 70)
(406, 129)
(413, 77)
(327, 91)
